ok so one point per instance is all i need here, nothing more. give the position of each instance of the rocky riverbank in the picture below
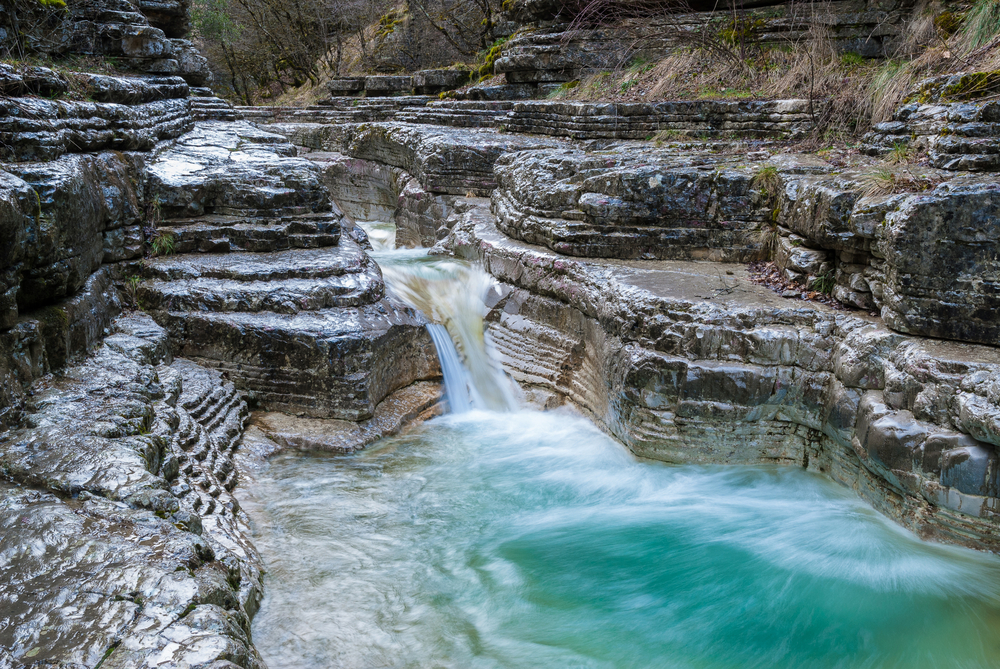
(184, 290)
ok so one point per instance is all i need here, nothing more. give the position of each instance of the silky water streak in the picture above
(452, 295)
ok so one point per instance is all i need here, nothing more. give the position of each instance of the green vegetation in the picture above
(563, 89)
(487, 59)
(163, 244)
(823, 284)
(888, 180)
(973, 85)
(664, 136)
(130, 292)
(725, 59)
(899, 154)
(981, 25)
(741, 30)
(768, 182)
(286, 50)
(851, 59)
(387, 24)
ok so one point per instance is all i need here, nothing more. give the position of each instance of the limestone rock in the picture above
(630, 203)
(170, 16)
(956, 135)
(149, 550)
(951, 292)
(684, 365)
(553, 51)
(619, 120)
(37, 129)
(432, 82)
(445, 160)
(369, 191)
(143, 35)
(302, 331)
(81, 202)
(210, 170)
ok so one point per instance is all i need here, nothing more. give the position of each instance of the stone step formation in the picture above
(206, 106)
(600, 244)
(943, 119)
(144, 481)
(270, 282)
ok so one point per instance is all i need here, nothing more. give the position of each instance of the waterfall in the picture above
(457, 381)
(452, 296)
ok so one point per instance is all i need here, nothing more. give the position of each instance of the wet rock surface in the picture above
(38, 129)
(117, 463)
(632, 202)
(415, 403)
(369, 191)
(445, 160)
(124, 544)
(301, 330)
(116, 508)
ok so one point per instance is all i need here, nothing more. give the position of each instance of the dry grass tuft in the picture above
(889, 180)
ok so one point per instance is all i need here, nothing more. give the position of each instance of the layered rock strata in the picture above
(124, 545)
(955, 133)
(826, 224)
(424, 82)
(574, 120)
(122, 114)
(368, 191)
(684, 364)
(546, 49)
(632, 202)
(270, 284)
(878, 246)
(112, 28)
(445, 160)
(206, 106)
(612, 120)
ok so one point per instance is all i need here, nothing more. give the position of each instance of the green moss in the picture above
(973, 85)
(488, 59)
(823, 284)
(741, 30)
(563, 89)
(947, 23)
(387, 24)
(852, 59)
(163, 244)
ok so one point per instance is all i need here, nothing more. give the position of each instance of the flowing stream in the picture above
(502, 537)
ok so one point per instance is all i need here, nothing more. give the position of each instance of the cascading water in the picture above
(456, 379)
(527, 539)
(452, 295)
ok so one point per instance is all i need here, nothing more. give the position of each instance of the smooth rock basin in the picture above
(534, 540)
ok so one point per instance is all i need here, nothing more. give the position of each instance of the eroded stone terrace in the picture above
(623, 291)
